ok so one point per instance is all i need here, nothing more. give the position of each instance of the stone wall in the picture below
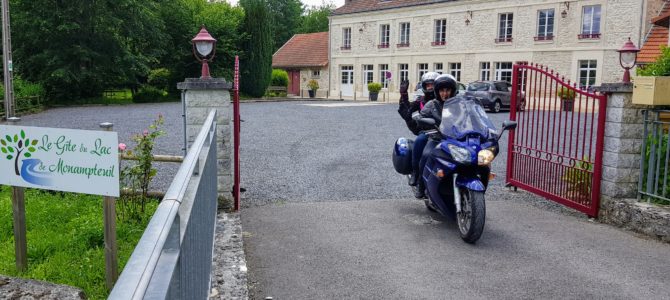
(306, 75)
(474, 43)
(201, 96)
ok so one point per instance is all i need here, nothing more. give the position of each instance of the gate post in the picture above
(199, 96)
(621, 151)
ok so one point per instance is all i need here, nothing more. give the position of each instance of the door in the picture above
(294, 84)
(502, 92)
(347, 81)
(368, 76)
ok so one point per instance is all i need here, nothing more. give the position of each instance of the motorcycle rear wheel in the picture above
(472, 217)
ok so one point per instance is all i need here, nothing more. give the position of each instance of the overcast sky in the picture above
(337, 3)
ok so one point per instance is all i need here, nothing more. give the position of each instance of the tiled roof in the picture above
(303, 50)
(658, 35)
(356, 6)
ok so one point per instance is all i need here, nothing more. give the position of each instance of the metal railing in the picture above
(173, 258)
(655, 157)
(23, 104)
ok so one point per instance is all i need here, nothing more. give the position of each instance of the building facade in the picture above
(305, 58)
(388, 41)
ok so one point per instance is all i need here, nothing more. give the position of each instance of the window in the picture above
(346, 38)
(440, 32)
(438, 68)
(316, 73)
(455, 70)
(383, 70)
(368, 74)
(384, 31)
(590, 22)
(504, 71)
(423, 69)
(404, 72)
(404, 35)
(587, 73)
(505, 28)
(484, 71)
(347, 74)
(545, 25)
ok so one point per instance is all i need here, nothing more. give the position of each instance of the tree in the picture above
(286, 17)
(661, 67)
(316, 19)
(257, 64)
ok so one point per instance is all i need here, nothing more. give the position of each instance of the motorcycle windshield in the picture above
(462, 116)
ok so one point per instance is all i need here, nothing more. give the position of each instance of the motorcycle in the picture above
(456, 163)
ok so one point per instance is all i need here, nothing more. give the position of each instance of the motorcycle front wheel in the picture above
(472, 216)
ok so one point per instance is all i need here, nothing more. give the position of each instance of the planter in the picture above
(651, 90)
(373, 96)
(567, 104)
(312, 93)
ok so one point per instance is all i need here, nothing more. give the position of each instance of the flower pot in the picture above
(567, 104)
(373, 96)
(312, 93)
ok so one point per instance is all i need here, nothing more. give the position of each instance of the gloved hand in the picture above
(403, 87)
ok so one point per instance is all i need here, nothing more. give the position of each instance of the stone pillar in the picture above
(199, 96)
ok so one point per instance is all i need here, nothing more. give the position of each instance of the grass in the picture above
(65, 239)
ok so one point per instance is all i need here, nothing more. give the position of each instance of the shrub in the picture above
(659, 68)
(159, 78)
(279, 78)
(23, 88)
(374, 87)
(149, 93)
(566, 93)
(313, 85)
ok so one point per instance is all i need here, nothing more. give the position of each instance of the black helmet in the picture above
(429, 77)
(445, 81)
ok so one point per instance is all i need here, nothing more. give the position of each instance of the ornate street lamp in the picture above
(627, 58)
(204, 49)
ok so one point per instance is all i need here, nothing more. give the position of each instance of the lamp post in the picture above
(627, 58)
(204, 50)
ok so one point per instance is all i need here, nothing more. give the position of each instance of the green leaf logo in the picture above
(27, 154)
(23, 134)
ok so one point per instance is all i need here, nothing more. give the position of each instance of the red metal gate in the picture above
(556, 149)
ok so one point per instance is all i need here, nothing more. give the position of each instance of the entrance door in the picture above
(347, 81)
(294, 84)
(368, 75)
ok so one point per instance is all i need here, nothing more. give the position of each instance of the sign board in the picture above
(80, 161)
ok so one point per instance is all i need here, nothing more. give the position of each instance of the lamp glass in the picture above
(628, 59)
(204, 47)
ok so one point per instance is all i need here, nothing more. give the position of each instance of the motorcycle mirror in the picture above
(509, 125)
(427, 121)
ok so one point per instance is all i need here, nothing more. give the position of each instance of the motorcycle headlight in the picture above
(485, 157)
(459, 154)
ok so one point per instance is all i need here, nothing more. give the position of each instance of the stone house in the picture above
(658, 35)
(304, 57)
(388, 41)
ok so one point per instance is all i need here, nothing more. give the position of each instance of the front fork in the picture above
(473, 184)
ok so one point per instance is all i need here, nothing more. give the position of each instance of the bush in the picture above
(23, 88)
(374, 87)
(313, 85)
(159, 78)
(279, 78)
(566, 93)
(149, 93)
(659, 68)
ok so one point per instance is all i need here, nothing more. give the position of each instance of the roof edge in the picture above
(388, 8)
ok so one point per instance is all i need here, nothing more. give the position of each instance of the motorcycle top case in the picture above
(402, 156)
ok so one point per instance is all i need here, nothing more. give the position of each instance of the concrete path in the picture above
(396, 249)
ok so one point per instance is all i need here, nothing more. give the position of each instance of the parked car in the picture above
(495, 95)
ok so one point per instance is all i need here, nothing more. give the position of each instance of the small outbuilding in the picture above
(304, 57)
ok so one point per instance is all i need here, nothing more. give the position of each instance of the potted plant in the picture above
(312, 85)
(567, 96)
(373, 90)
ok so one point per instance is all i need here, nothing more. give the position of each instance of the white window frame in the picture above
(590, 16)
(485, 71)
(384, 35)
(546, 23)
(316, 73)
(505, 27)
(503, 73)
(455, 70)
(403, 73)
(383, 68)
(591, 70)
(368, 74)
(346, 38)
(440, 32)
(438, 67)
(405, 29)
(422, 68)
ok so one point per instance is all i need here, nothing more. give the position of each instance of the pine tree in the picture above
(257, 64)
